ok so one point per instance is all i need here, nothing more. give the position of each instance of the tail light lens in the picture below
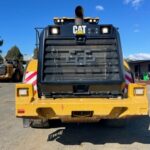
(23, 92)
(139, 91)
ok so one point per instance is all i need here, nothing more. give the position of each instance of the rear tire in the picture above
(39, 123)
(17, 76)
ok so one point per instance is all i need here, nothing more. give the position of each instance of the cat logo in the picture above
(79, 30)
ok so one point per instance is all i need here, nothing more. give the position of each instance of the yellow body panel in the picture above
(48, 108)
(32, 66)
(63, 107)
(126, 66)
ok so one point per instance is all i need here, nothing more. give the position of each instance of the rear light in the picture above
(23, 92)
(58, 20)
(62, 20)
(54, 31)
(20, 111)
(93, 21)
(90, 20)
(138, 91)
(105, 30)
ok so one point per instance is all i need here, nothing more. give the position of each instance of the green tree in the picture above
(35, 55)
(14, 54)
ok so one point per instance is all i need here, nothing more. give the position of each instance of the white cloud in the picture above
(136, 25)
(27, 57)
(136, 30)
(134, 3)
(127, 1)
(139, 56)
(99, 8)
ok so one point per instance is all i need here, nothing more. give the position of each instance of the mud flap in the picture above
(39, 123)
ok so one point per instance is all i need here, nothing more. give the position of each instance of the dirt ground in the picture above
(67, 136)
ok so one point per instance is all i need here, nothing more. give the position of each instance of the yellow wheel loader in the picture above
(79, 76)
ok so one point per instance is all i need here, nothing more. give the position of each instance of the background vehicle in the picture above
(11, 70)
(79, 76)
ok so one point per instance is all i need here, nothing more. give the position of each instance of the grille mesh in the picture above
(84, 63)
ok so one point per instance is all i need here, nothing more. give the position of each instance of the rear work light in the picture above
(93, 20)
(23, 92)
(62, 20)
(139, 91)
(105, 30)
(54, 30)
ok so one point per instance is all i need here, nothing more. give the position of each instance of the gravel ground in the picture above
(67, 136)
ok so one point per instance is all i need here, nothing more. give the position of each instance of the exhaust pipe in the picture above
(79, 12)
(79, 15)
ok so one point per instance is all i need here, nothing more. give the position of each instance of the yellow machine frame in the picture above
(30, 106)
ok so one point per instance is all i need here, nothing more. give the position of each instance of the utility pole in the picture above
(1, 58)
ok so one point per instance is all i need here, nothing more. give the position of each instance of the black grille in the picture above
(97, 61)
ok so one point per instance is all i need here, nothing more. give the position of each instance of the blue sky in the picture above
(19, 17)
